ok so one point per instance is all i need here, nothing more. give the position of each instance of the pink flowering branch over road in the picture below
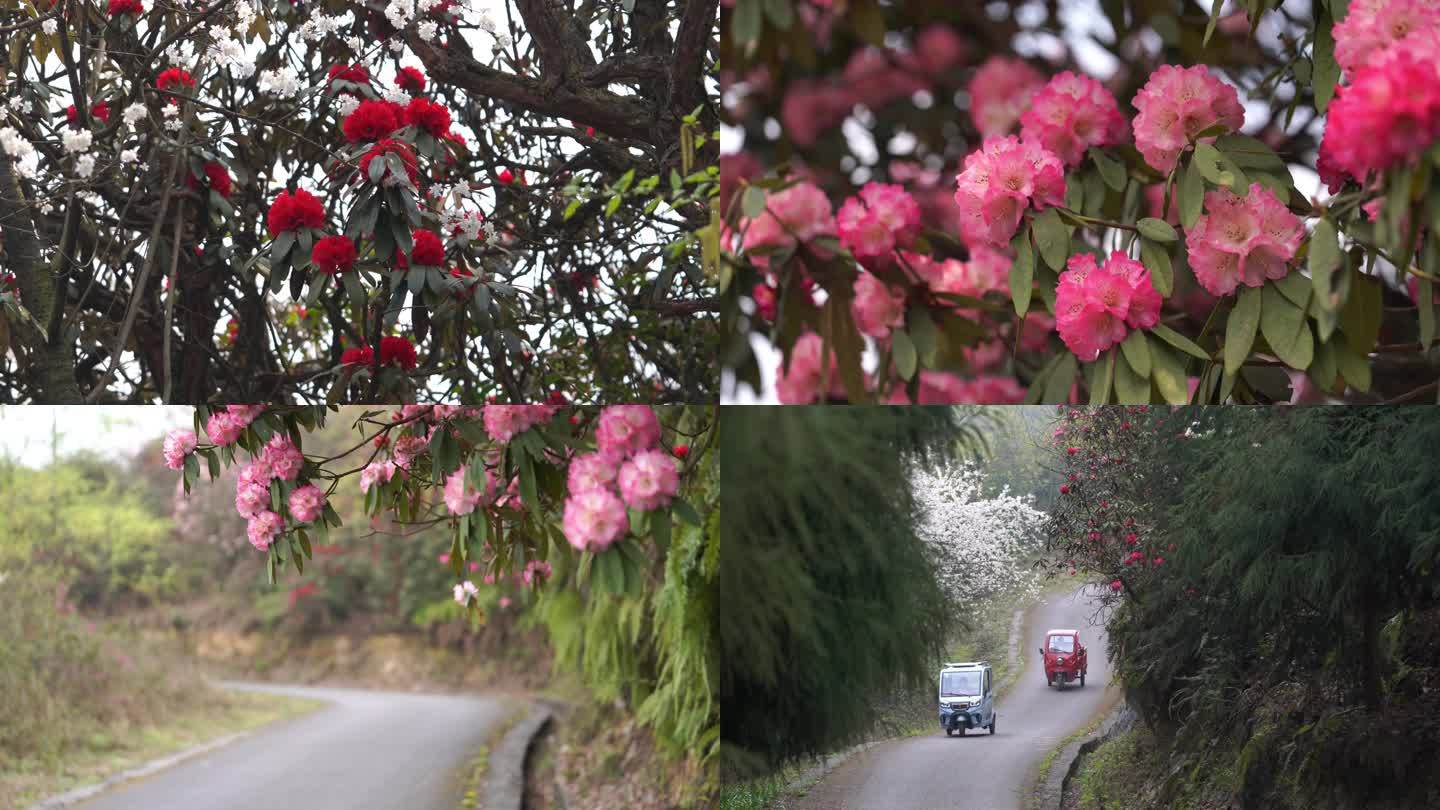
(1180, 171)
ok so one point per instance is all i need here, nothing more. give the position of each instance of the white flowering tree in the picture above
(261, 200)
(981, 544)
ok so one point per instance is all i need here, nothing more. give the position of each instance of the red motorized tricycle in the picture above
(1064, 657)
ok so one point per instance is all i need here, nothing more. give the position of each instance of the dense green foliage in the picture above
(829, 595)
(1292, 630)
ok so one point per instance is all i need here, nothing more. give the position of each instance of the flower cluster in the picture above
(1095, 306)
(410, 80)
(370, 121)
(178, 445)
(1000, 91)
(174, 78)
(389, 146)
(1242, 240)
(428, 116)
(217, 177)
(224, 427)
(99, 110)
(279, 459)
(1388, 114)
(1072, 113)
(462, 498)
(333, 254)
(293, 211)
(1175, 106)
(793, 216)
(627, 438)
(798, 383)
(394, 351)
(876, 221)
(505, 422)
(944, 388)
(877, 307)
(1000, 181)
(1371, 27)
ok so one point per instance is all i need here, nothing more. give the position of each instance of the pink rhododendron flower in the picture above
(251, 498)
(591, 471)
(794, 215)
(222, 428)
(1389, 113)
(1373, 26)
(1116, 585)
(1176, 105)
(461, 499)
(535, 570)
(282, 457)
(944, 388)
(1242, 240)
(263, 528)
(407, 448)
(178, 445)
(877, 307)
(1095, 304)
(1155, 203)
(879, 219)
(595, 519)
(649, 480)
(505, 422)
(1000, 92)
(1000, 181)
(624, 430)
(1072, 113)
(464, 591)
(799, 382)
(307, 503)
(377, 472)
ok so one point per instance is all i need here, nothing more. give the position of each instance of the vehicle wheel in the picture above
(993, 718)
(1049, 681)
(1082, 679)
(949, 732)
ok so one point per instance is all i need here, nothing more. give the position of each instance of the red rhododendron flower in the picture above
(429, 250)
(1064, 489)
(360, 356)
(506, 177)
(681, 450)
(294, 211)
(370, 121)
(397, 351)
(410, 80)
(217, 176)
(99, 110)
(386, 146)
(333, 254)
(349, 73)
(118, 7)
(429, 116)
(174, 77)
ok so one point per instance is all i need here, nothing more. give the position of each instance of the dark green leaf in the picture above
(1325, 70)
(1052, 238)
(1137, 352)
(1361, 316)
(752, 203)
(1156, 229)
(1286, 329)
(1169, 375)
(1061, 380)
(1022, 272)
(1179, 341)
(1191, 192)
(1324, 259)
(1130, 387)
(1157, 260)
(924, 334)
(1103, 378)
(903, 350)
(1111, 171)
(1240, 328)
(746, 21)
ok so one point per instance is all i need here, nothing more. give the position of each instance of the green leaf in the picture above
(1169, 375)
(1052, 238)
(280, 248)
(1214, 18)
(1111, 171)
(780, 13)
(1250, 153)
(613, 205)
(1156, 229)
(1103, 378)
(924, 334)
(1323, 260)
(752, 202)
(1425, 294)
(1296, 288)
(660, 529)
(682, 509)
(573, 207)
(1286, 329)
(1179, 341)
(1323, 370)
(1022, 272)
(746, 22)
(1219, 169)
(1191, 191)
(1353, 366)
(1325, 71)
(1360, 319)
(1061, 380)
(528, 491)
(1131, 387)
(904, 352)
(1157, 260)
(1137, 352)
(1240, 328)
(844, 339)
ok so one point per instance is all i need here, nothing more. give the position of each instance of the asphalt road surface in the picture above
(366, 751)
(981, 771)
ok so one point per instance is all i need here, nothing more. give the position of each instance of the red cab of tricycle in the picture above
(1064, 657)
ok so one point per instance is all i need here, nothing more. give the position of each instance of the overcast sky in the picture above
(113, 430)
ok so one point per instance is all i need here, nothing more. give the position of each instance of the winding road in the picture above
(366, 751)
(978, 770)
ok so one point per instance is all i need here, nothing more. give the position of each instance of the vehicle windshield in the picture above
(1061, 644)
(959, 684)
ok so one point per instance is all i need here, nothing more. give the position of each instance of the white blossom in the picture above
(49, 26)
(282, 81)
(174, 124)
(85, 165)
(396, 45)
(134, 113)
(427, 30)
(980, 544)
(346, 104)
(229, 53)
(131, 155)
(395, 95)
(76, 140)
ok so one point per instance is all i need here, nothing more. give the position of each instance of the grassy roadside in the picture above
(108, 752)
(478, 769)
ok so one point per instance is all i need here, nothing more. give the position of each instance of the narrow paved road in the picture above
(978, 770)
(367, 751)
